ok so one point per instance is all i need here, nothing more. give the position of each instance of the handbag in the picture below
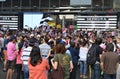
(58, 73)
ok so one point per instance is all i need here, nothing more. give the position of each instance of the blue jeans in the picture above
(96, 71)
(83, 67)
(118, 72)
(26, 72)
(109, 76)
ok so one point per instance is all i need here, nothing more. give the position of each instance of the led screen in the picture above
(37, 19)
(32, 19)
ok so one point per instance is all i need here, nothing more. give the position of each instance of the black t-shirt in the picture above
(99, 51)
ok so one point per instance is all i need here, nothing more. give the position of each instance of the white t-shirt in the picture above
(83, 53)
(44, 49)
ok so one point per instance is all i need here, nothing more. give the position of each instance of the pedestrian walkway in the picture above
(3, 74)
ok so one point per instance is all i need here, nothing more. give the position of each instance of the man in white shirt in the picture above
(45, 48)
(25, 57)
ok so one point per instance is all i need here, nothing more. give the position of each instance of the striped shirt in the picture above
(25, 55)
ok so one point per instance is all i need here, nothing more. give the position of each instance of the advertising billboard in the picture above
(94, 21)
(9, 21)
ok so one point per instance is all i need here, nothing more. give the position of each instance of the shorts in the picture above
(11, 64)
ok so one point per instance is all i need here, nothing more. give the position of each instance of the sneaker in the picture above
(4, 70)
(84, 76)
(81, 76)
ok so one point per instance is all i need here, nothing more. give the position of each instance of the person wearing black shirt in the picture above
(96, 70)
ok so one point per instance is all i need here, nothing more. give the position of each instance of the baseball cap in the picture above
(62, 42)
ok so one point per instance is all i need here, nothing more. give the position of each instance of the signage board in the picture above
(103, 21)
(9, 21)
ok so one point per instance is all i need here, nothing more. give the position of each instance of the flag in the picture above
(71, 27)
(75, 27)
(59, 26)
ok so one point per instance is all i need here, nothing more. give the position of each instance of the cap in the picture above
(62, 42)
(32, 35)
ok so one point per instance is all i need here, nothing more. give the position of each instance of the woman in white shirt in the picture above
(83, 57)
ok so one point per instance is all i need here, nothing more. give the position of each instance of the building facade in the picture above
(54, 5)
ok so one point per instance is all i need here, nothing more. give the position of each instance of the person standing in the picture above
(25, 57)
(1, 46)
(74, 52)
(83, 59)
(18, 60)
(96, 70)
(63, 59)
(118, 70)
(6, 40)
(37, 65)
(45, 48)
(11, 48)
(109, 62)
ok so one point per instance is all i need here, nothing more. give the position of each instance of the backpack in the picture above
(91, 55)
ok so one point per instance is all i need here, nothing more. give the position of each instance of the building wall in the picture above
(47, 5)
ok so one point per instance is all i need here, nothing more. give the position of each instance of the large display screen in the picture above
(32, 19)
(101, 21)
(9, 21)
(37, 19)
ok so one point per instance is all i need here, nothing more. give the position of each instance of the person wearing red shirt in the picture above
(37, 65)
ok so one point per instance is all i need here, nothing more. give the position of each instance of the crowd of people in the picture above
(37, 53)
